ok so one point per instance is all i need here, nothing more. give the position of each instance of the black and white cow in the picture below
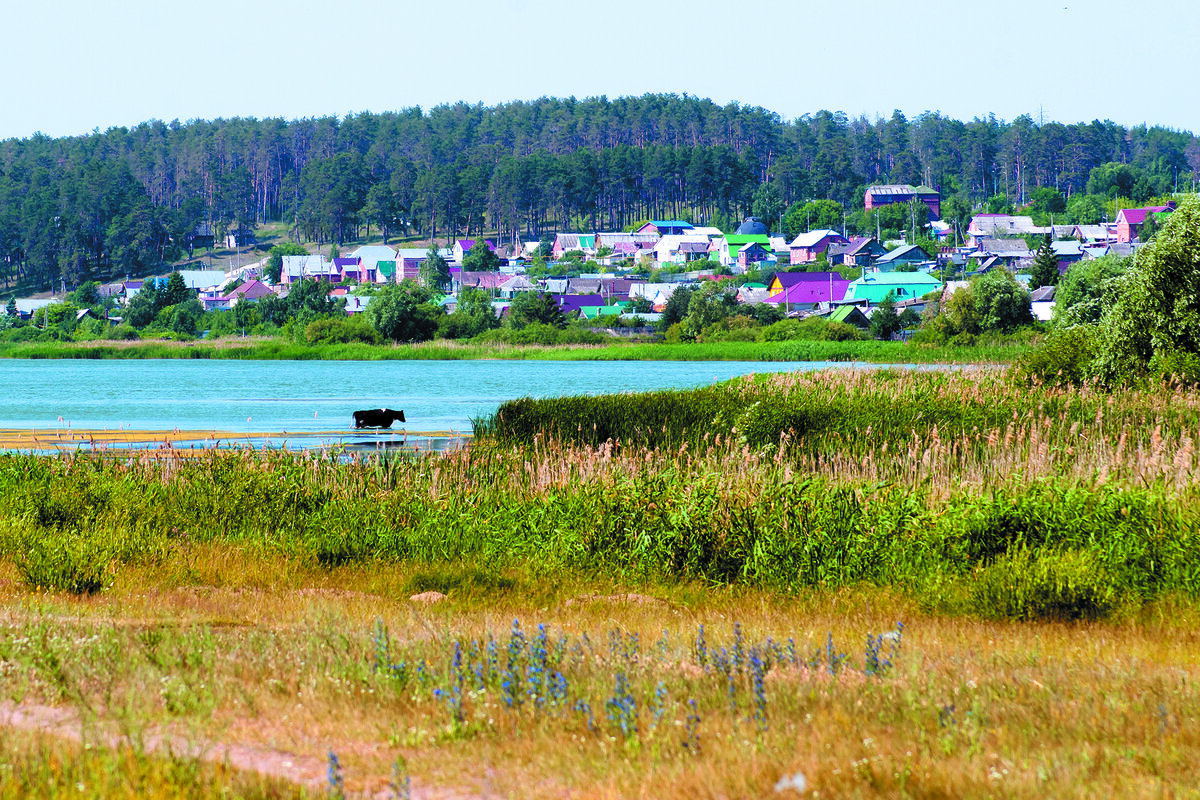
(377, 418)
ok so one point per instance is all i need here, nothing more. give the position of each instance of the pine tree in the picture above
(1045, 266)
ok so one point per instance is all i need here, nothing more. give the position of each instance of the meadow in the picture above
(852, 584)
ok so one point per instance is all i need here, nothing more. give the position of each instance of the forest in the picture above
(125, 201)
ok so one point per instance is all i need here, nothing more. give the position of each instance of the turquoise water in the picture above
(310, 396)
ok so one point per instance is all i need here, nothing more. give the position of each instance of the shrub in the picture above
(63, 562)
(1045, 585)
(332, 330)
(1065, 357)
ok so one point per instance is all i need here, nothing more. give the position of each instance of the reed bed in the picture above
(942, 485)
(259, 348)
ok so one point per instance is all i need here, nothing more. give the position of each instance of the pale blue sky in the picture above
(68, 66)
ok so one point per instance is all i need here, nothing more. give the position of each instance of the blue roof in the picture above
(670, 223)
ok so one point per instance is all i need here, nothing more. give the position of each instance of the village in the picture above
(628, 277)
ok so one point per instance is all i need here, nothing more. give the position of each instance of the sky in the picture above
(69, 67)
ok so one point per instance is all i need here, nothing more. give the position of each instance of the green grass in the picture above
(280, 349)
(937, 485)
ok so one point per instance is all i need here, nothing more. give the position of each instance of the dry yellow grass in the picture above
(273, 658)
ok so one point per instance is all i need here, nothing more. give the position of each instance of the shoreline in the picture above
(873, 352)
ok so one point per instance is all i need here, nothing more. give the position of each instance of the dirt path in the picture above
(305, 771)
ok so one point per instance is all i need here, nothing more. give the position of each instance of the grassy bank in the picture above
(888, 583)
(968, 493)
(278, 349)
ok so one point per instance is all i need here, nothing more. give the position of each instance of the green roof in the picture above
(874, 286)
(387, 268)
(753, 285)
(745, 239)
(848, 313)
(591, 312)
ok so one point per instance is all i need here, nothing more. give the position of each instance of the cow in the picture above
(377, 418)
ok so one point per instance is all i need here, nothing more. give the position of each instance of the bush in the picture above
(1045, 585)
(332, 330)
(63, 562)
(1064, 358)
(817, 329)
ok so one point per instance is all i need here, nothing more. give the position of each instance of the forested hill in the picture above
(125, 200)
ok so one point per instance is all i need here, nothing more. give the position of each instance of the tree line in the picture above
(126, 200)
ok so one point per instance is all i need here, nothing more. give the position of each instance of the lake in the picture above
(316, 398)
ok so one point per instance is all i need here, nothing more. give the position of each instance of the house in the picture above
(751, 254)
(887, 194)
(725, 250)
(570, 242)
(409, 261)
(311, 266)
(1067, 250)
(798, 290)
(516, 285)
(998, 225)
(657, 293)
(351, 269)
(680, 249)
(202, 236)
(241, 237)
(661, 227)
(807, 247)
(463, 246)
(1091, 234)
(28, 306)
(371, 254)
(574, 303)
(1130, 219)
(862, 251)
(905, 254)
(1042, 303)
(850, 315)
(873, 287)
(487, 281)
(200, 279)
(250, 292)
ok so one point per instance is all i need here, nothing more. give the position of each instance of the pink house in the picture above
(1128, 219)
(807, 247)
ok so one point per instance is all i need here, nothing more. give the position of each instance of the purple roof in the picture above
(812, 292)
(574, 302)
(789, 279)
(467, 244)
(346, 262)
(1136, 216)
(252, 290)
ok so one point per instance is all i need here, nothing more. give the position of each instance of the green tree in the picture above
(1087, 290)
(530, 307)
(676, 307)
(481, 258)
(1156, 316)
(1085, 209)
(1000, 302)
(473, 314)
(1044, 271)
(404, 312)
(712, 302)
(176, 291)
(275, 256)
(767, 205)
(1047, 200)
(884, 320)
(435, 272)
